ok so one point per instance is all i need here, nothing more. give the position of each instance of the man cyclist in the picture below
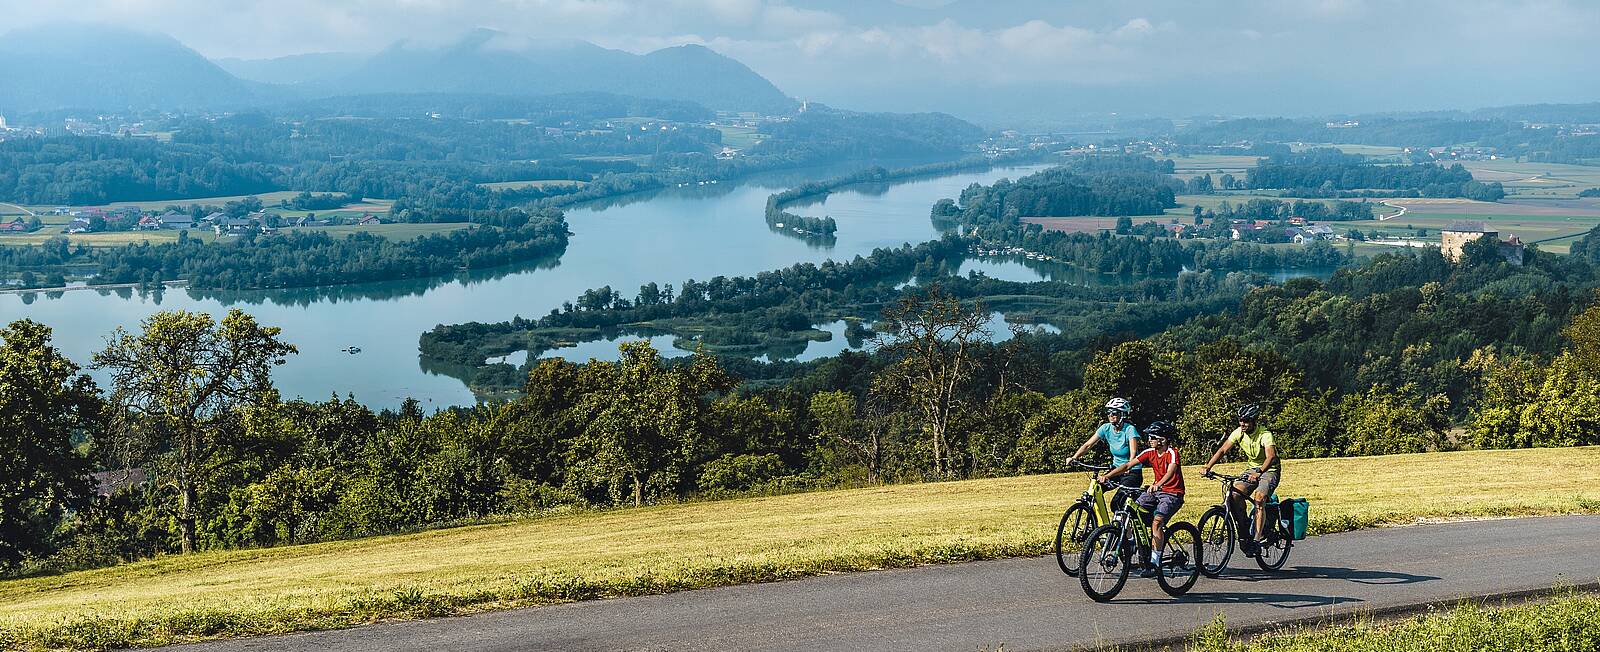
(1259, 481)
(1165, 497)
(1121, 438)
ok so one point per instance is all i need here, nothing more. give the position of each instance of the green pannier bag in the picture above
(1298, 514)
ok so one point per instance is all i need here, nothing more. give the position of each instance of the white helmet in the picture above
(1119, 406)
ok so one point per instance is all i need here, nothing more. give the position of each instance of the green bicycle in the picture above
(1085, 514)
(1112, 550)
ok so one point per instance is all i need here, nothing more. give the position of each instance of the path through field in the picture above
(1398, 214)
(20, 208)
(1022, 604)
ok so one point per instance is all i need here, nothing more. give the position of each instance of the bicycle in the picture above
(1081, 518)
(1112, 550)
(1218, 531)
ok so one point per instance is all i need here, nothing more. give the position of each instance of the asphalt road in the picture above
(1022, 604)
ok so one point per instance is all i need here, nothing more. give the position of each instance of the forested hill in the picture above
(96, 68)
(57, 67)
(489, 61)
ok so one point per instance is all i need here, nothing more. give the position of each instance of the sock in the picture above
(1155, 558)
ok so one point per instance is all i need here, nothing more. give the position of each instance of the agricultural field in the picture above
(1363, 150)
(1552, 224)
(119, 238)
(1216, 165)
(739, 137)
(1186, 203)
(390, 231)
(1087, 224)
(518, 185)
(1549, 180)
(588, 555)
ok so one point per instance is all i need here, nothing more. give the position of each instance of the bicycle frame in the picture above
(1096, 499)
(1141, 530)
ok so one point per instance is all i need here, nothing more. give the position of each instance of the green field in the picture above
(589, 555)
(1536, 179)
(1363, 150)
(739, 137)
(116, 239)
(1567, 622)
(518, 185)
(1186, 203)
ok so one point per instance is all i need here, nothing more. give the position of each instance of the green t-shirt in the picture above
(1253, 445)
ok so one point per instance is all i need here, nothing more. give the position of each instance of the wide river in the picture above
(696, 232)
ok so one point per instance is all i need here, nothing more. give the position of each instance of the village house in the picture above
(212, 218)
(234, 226)
(1456, 236)
(15, 226)
(1239, 229)
(369, 220)
(175, 220)
(149, 223)
(78, 225)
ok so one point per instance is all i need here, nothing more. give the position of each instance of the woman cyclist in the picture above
(1122, 439)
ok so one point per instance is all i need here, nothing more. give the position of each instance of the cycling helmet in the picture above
(1160, 430)
(1119, 406)
(1249, 412)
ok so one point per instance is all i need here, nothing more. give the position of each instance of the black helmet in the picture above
(1161, 429)
(1249, 412)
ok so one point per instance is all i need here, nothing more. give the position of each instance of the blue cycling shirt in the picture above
(1117, 439)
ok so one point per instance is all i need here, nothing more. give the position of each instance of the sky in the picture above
(983, 58)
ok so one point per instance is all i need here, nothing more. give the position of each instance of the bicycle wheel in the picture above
(1076, 524)
(1103, 563)
(1216, 540)
(1180, 565)
(1274, 553)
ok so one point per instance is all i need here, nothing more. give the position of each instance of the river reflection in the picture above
(664, 236)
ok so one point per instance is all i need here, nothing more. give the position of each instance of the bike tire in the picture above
(1216, 536)
(1273, 555)
(1183, 540)
(1076, 524)
(1103, 564)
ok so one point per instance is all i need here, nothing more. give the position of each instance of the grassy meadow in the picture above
(1551, 180)
(1569, 622)
(595, 554)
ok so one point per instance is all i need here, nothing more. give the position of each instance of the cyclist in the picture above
(1165, 497)
(1121, 438)
(1260, 480)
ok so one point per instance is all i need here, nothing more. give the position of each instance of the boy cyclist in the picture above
(1165, 497)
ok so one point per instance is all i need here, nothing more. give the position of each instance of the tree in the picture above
(642, 421)
(837, 423)
(176, 384)
(44, 401)
(930, 337)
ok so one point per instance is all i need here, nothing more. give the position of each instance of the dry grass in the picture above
(673, 547)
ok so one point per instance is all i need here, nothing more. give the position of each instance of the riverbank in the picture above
(109, 286)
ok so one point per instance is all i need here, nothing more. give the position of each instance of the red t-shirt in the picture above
(1159, 463)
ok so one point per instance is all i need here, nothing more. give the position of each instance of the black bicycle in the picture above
(1218, 531)
(1081, 518)
(1113, 550)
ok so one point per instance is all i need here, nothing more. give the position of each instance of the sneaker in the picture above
(1249, 548)
(1149, 571)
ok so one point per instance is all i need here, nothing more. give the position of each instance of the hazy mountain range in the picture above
(80, 67)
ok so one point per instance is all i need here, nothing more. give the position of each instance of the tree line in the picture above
(200, 453)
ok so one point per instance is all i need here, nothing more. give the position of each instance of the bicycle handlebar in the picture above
(1087, 467)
